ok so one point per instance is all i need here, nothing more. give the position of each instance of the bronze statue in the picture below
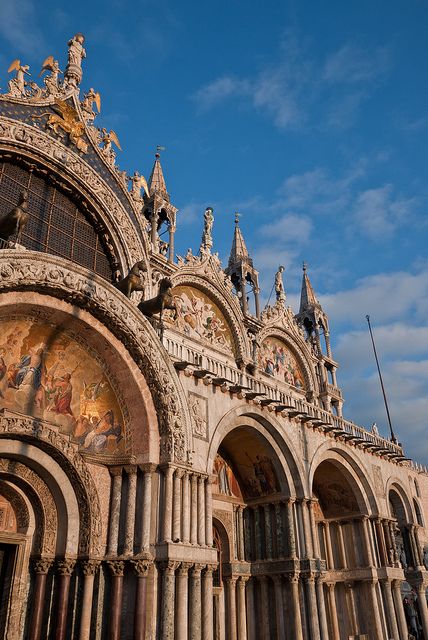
(13, 222)
(164, 300)
(132, 282)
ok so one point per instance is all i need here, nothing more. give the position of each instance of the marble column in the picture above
(194, 509)
(64, 570)
(268, 531)
(349, 590)
(207, 604)
(367, 541)
(342, 552)
(89, 569)
(231, 607)
(182, 585)
(423, 609)
(167, 504)
(376, 613)
(306, 528)
(392, 620)
(279, 530)
(201, 511)
(41, 568)
(148, 470)
(116, 494)
(176, 506)
(208, 512)
(242, 612)
(168, 600)
(321, 608)
(312, 608)
(117, 568)
(381, 543)
(251, 611)
(142, 568)
(291, 538)
(128, 547)
(186, 508)
(195, 603)
(328, 547)
(401, 617)
(264, 605)
(387, 536)
(279, 607)
(333, 611)
(249, 551)
(295, 598)
(316, 547)
(241, 543)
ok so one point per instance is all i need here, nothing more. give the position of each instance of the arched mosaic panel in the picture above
(276, 359)
(46, 372)
(199, 318)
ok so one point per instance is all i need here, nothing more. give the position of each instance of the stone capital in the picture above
(197, 569)
(142, 567)
(89, 567)
(131, 469)
(42, 565)
(179, 473)
(115, 471)
(116, 567)
(148, 467)
(65, 566)
(183, 569)
(169, 567)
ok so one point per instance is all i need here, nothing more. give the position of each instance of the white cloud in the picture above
(215, 92)
(378, 213)
(352, 65)
(290, 228)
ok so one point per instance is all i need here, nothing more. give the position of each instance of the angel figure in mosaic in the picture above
(52, 79)
(18, 83)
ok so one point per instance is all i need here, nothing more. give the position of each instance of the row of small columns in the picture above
(115, 508)
(64, 569)
(187, 601)
(187, 507)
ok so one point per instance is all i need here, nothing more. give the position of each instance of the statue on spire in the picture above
(207, 239)
(279, 285)
(76, 53)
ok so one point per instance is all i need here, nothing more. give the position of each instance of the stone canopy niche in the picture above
(335, 494)
(277, 360)
(200, 319)
(47, 372)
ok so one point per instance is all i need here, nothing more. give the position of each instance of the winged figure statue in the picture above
(67, 119)
(51, 80)
(107, 138)
(91, 98)
(18, 83)
(138, 182)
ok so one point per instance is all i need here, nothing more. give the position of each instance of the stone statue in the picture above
(138, 182)
(76, 53)
(87, 104)
(52, 80)
(18, 83)
(133, 281)
(207, 239)
(164, 300)
(107, 139)
(279, 286)
(13, 222)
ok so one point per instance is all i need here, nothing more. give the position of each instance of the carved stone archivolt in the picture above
(66, 454)
(20, 136)
(33, 271)
(18, 505)
(41, 500)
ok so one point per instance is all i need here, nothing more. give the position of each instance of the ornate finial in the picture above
(159, 148)
(305, 266)
(237, 216)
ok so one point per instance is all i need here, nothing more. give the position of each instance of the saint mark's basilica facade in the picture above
(174, 463)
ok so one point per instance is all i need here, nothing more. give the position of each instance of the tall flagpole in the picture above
(393, 438)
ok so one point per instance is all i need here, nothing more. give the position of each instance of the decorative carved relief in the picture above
(199, 414)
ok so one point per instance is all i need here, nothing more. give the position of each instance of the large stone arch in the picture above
(35, 145)
(45, 274)
(270, 429)
(225, 302)
(293, 343)
(395, 484)
(354, 471)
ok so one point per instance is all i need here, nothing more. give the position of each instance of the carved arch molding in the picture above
(32, 271)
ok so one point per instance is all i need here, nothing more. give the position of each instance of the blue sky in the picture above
(311, 120)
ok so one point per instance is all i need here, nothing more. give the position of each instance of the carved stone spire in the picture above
(307, 296)
(241, 270)
(157, 181)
